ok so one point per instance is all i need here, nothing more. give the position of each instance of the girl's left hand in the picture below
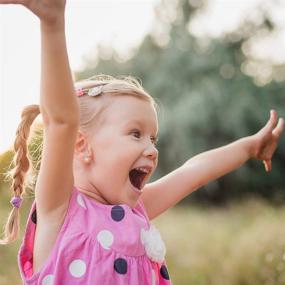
(266, 140)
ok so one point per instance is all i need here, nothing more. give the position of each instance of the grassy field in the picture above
(242, 244)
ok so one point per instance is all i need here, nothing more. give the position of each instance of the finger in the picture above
(279, 128)
(273, 118)
(271, 123)
(267, 165)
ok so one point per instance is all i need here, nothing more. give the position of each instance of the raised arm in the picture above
(58, 100)
(59, 108)
(210, 165)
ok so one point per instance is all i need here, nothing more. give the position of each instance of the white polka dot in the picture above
(80, 201)
(153, 277)
(48, 280)
(77, 268)
(105, 238)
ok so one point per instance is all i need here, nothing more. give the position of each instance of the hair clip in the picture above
(93, 91)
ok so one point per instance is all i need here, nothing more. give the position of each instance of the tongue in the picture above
(136, 178)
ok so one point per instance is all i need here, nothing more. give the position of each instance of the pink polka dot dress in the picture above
(98, 245)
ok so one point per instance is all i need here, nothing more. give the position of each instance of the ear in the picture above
(82, 146)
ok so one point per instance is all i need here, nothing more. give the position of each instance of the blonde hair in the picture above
(24, 176)
(92, 107)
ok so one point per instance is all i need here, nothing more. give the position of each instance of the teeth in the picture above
(142, 169)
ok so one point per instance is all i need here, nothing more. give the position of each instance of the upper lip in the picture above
(147, 167)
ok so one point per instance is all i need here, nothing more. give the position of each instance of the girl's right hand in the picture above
(48, 11)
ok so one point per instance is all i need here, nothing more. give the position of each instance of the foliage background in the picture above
(211, 91)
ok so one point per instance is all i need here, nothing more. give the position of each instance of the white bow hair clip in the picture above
(93, 91)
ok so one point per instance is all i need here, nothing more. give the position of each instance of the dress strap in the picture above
(141, 209)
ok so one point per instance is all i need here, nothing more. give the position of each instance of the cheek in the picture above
(113, 161)
(117, 153)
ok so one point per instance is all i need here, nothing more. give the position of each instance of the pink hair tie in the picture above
(79, 92)
(16, 202)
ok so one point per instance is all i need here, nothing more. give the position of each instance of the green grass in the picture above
(242, 244)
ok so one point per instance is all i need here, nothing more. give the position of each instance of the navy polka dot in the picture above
(34, 216)
(117, 213)
(121, 266)
(164, 272)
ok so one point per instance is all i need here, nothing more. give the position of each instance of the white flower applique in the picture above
(153, 243)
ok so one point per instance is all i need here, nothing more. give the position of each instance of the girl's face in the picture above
(124, 142)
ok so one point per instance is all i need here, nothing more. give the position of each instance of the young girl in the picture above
(90, 221)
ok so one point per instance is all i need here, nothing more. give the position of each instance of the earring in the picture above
(87, 159)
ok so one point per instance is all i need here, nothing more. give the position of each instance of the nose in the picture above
(151, 151)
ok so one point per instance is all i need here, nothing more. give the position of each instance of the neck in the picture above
(93, 195)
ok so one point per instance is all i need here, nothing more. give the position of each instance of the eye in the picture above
(136, 133)
(154, 140)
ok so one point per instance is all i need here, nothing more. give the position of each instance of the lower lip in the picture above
(138, 191)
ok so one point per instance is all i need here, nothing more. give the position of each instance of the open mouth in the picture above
(137, 177)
